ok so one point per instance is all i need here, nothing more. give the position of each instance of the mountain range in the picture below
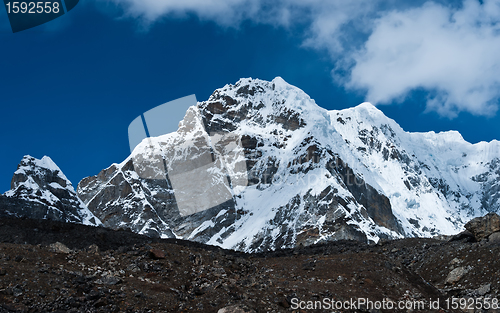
(260, 166)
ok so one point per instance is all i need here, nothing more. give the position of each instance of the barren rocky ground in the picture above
(46, 266)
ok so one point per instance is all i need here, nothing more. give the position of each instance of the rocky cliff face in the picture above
(40, 190)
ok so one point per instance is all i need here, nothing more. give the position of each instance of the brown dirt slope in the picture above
(47, 266)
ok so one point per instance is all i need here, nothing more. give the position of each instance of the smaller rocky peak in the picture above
(46, 193)
(43, 172)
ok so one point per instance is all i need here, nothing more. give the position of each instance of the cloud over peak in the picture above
(385, 48)
(452, 53)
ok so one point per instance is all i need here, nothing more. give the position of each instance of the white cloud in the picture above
(387, 48)
(323, 20)
(332, 24)
(224, 12)
(453, 53)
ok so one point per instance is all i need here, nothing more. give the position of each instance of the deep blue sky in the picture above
(70, 89)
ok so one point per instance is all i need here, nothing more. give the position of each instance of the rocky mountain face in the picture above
(435, 182)
(40, 190)
(260, 166)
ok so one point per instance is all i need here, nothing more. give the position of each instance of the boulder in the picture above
(59, 248)
(465, 236)
(494, 238)
(483, 290)
(156, 254)
(455, 275)
(482, 227)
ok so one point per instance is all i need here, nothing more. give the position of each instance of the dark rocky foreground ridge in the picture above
(48, 266)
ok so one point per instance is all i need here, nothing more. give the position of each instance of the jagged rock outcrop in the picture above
(40, 190)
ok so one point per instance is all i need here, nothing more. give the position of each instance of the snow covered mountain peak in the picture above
(29, 166)
(275, 95)
(260, 166)
(369, 109)
(45, 162)
(41, 182)
(31, 174)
